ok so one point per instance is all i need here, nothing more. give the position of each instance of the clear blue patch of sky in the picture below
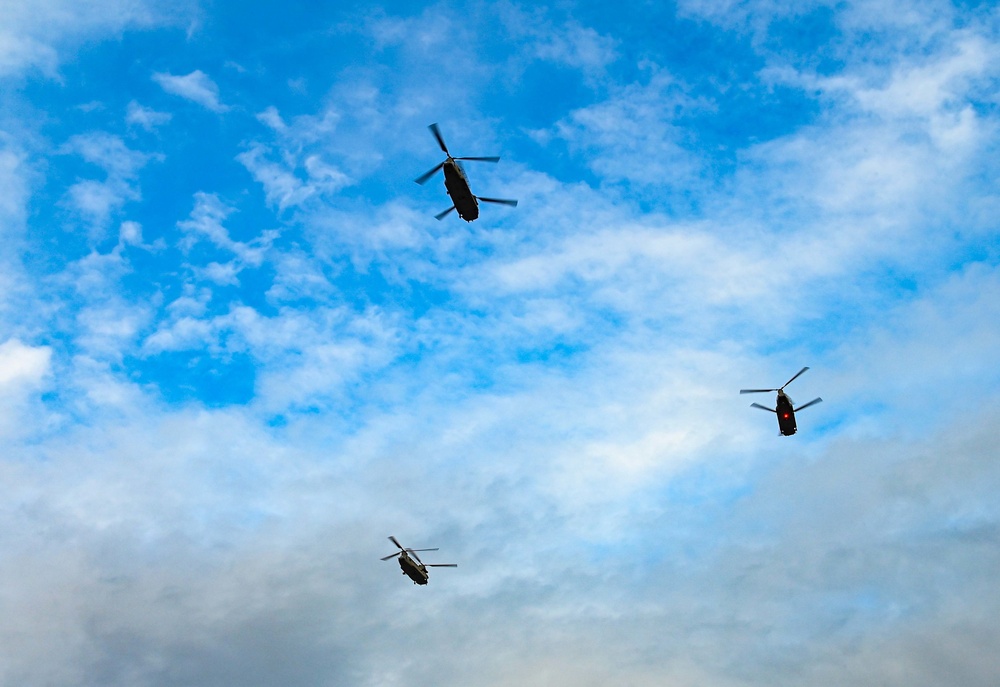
(183, 377)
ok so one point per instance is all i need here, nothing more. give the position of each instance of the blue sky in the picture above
(237, 351)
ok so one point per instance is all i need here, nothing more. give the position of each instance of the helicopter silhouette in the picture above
(414, 568)
(784, 409)
(457, 183)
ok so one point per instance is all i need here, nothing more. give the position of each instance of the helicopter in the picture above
(457, 183)
(414, 568)
(784, 409)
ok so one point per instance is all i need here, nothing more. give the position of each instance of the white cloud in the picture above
(581, 47)
(108, 152)
(145, 117)
(206, 222)
(35, 35)
(25, 371)
(931, 87)
(325, 176)
(634, 135)
(14, 176)
(299, 276)
(570, 43)
(98, 201)
(183, 333)
(20, 52)
(281, 186)
(430, 31)
(196, 87)
(300, 175)
(225, 274)
(22, 365)
(130, 233)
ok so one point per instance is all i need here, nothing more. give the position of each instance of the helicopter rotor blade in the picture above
(441, 215)
(757, 405)
(441, 565)
(810, 403)
(393, 540)
(412, 550)
(440, 139)
(422, 179)
(499, 201)
(755, 391)
(391, 555)
(793, 378)
(478, 159)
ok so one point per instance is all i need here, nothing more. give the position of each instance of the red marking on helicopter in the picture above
(784, 410)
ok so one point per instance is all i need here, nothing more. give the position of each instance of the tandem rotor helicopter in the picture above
(414, 568)
(457, 183)
(784, 409)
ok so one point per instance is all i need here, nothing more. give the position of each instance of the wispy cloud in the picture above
(197, 87)
(97, 201)
(570, 44)
(550, 393)
(37, 37)
(301, 172)
(144, 117)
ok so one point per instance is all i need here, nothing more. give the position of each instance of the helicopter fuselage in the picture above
(415, 571)
(457, 185)
(786, 415)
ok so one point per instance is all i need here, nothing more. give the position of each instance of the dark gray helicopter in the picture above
(458, 184)
(784, 409)
(414, 568)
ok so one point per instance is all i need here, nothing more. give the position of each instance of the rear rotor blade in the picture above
(440, 139)
(478, 159)
(422, 179)
(757, 405)
(794, 378)
(441, 565)
(755, 391)
(441, 215)
(500, 201)
(810, 403)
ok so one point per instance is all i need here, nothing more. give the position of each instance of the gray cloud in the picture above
(550, 396)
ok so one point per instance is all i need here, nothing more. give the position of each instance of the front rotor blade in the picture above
(393, 540)
(441, 565)
(422, 179)
(500, 201)
(755, 391)
(391, 555)
(810, 403)
(441, 215)
(440, 139)
(757, 405)
(794, 378)
(479, 159)
(412, 550)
